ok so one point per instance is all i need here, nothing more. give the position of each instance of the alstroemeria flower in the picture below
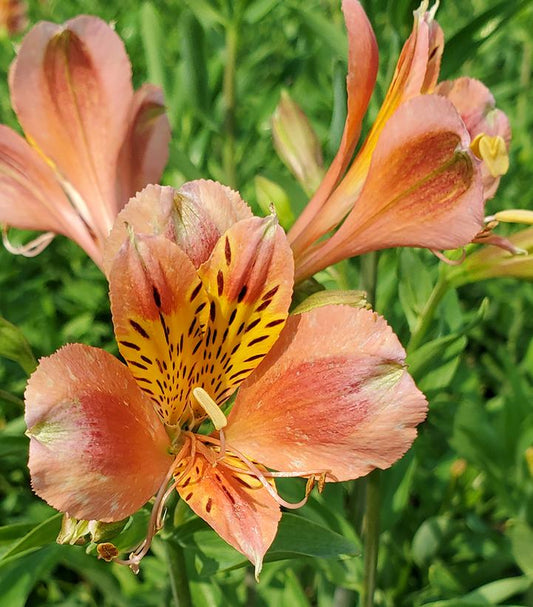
(323, 395)
(418, 179)
(92, 142)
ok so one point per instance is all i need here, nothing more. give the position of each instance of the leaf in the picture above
(296, 537)
(434, 364)
(18, 575)
(13, 345)
(429, 537)
(414, 287)
(13, 446)
(44, 533)
(475, 33)
(153, 42)
(194, 62)
(521, 535)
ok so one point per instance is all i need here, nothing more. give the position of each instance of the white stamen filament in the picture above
(210, 407)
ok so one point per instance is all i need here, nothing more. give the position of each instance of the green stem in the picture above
(228, 92)
(424, 321)
(179, 581)
(11, 399)
(371, 537)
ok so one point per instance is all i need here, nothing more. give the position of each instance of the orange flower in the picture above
(415, 181)
(323, 395)
(91, 141)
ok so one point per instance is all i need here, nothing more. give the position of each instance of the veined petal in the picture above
(195, 216)
(98, 450)
(423, 189)
(159, 308)
(248, 280)
(144, 152)
(475, 103)
(236, 505)
(30, 197)
(340, 406)
(362, 72)
(71, 89)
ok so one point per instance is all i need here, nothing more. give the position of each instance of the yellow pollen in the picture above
(210, 407)
(514, 216)
(493, 152)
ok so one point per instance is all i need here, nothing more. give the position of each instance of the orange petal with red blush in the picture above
(71, 89)
(332, 397)
(144, 152)
(97, 450)
(423, 189)
(235, 504)
(362, 72)
(30, 197)
(195, 216)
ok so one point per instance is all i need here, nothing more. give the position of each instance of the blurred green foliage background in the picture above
(457, 510)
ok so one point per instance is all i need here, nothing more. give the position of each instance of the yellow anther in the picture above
(514, 216)
(529, 459)
(210, 407)
(493, 152)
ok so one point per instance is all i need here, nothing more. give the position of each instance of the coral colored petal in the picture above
(332, 396)
(476, 105)
(195, 216)
(159, 308)
(249, 279)
(144, 152)
(362, 72)
(236, 505)
(71, 89)
(423, 188)
(30, 197)
(97, 450)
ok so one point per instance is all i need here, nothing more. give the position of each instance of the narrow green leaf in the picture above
(18, 576)
(521, 535)
(467, 40)
(42, 534)
(194, 62)
(13, 345)
(153, 43)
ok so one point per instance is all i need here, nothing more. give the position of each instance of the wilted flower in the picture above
(323, 395)
(91, 142)
(416, 181)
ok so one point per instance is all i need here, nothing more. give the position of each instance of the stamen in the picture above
(252, 470)
(154, 525)
(447, 260)
(210, 407)
(32, 249)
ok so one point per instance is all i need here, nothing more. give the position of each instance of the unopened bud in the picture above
(297, 144)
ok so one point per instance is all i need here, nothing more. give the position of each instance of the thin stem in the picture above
(179, 581)
(424, 321)
(371, 538)
(228, 92)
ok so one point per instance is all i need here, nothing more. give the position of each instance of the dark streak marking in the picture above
(136, 364)
(273, 323)
(129, 344)
(146, 359)
(195, 292)
(137, 327)
(242, 294)
(253, 324)
(271, 293)
(258, 340)
(220, 282)
(264, 305)
(157, 297)
(227, 251)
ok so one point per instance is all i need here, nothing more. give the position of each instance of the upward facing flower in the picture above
(323, 395)
(415, 181)
(92, 142)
